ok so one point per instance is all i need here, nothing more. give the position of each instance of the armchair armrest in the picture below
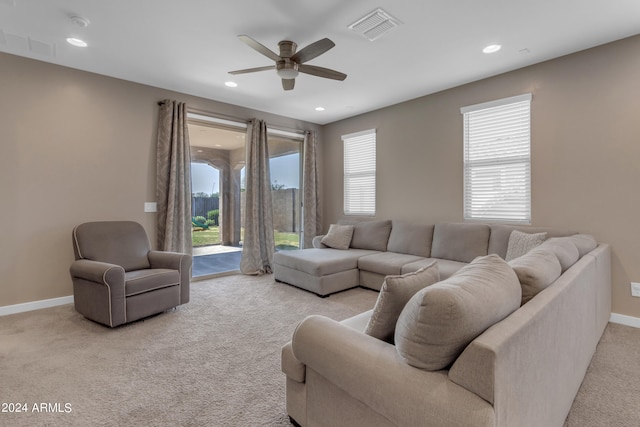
(372, 372)
(98, 272)
(174, 261)
(99, 291)
(171, 260)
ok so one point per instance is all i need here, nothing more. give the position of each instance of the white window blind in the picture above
(360, 173)
(497, 160)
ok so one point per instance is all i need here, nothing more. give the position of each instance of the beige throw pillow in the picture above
(338, 236)
(520, 243)
(394, 294)
(440, 320)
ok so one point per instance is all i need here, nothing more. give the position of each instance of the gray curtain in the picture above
(258, 243)
(173, 178)
(312, 221)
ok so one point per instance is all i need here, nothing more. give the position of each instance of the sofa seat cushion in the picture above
(447, 268)
(386, 262)
(140, 281)
(320, 262)
(460, 241)
(439, 321)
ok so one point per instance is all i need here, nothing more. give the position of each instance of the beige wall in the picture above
(585, 152)
(75, 147)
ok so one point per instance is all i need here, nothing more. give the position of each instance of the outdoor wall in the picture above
(286, 210)
(75, 147)
(585, 143)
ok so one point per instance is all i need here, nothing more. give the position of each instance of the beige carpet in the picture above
(216, 362)
(212, 362)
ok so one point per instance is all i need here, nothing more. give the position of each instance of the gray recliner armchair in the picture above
(117, 278)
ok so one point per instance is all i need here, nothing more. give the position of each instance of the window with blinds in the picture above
(497, 160)
(360, 173)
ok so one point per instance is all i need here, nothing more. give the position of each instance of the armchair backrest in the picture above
(124, 243)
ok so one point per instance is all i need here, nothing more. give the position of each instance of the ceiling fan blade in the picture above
(288, 84)
(321, 72)
(258, 47)
(313, 50)
(253, 70)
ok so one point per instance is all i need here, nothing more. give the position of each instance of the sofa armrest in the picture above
(371, 370)
(291, 366)
(317, 242)
(98, 272)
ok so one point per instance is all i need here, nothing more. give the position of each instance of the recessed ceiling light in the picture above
(492, 48)
(231, 84)
(76, 42)
(319, 108)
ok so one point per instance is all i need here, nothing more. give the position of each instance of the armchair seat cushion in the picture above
(140, 281)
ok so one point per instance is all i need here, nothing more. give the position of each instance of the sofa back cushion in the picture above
(500, 233)
(440, 320)
(536, 270)
(410, 239)
(123, 243)
(585, 243)
(460, 241)
(564, 248)
(372, 235)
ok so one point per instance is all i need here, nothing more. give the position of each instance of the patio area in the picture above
(215, 259)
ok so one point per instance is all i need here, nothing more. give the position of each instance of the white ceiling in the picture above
(190, 45)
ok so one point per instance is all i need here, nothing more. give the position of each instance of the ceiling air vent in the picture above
(375, 24)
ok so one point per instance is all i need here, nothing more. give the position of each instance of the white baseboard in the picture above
(35, 305)
(625, 320)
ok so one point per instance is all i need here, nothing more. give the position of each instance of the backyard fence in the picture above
(201, 205)
(286, 204)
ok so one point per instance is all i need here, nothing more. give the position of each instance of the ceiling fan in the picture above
(289, 63)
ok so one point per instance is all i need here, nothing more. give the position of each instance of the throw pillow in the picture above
(520, 243)
(338, 236)
(536, 270)
(440, 320)
(393, 296)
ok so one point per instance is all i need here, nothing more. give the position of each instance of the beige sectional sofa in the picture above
(523, 370)
(381, 248)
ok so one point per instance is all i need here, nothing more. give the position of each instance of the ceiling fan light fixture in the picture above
(319, 108)
(231, 84)
(287, 73)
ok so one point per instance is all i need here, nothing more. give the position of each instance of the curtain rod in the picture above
(238, 119)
